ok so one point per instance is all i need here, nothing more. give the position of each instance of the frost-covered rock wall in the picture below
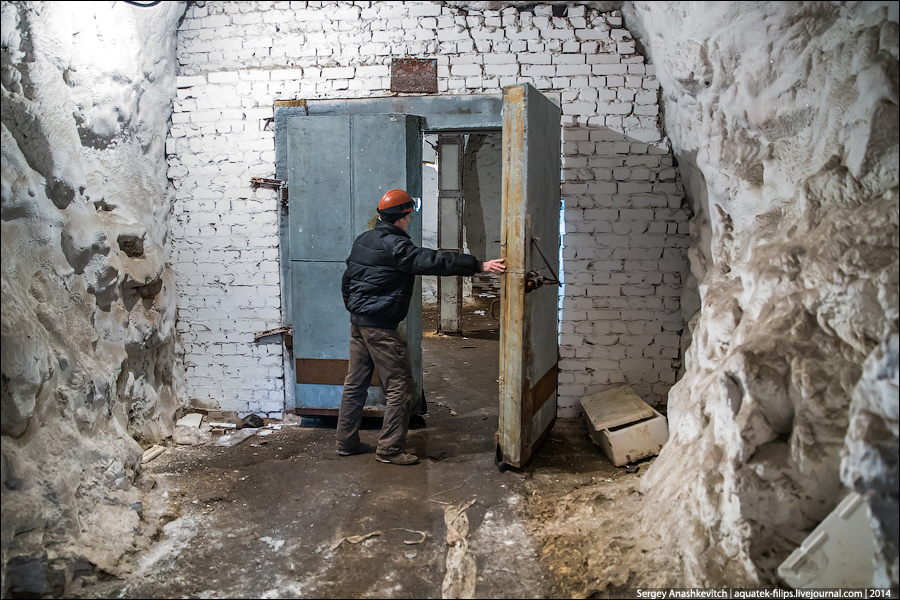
(784, 119)
(89, 350)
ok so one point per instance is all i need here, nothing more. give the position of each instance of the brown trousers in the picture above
(383, 349)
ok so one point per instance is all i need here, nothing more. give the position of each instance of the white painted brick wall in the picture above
(626, 235)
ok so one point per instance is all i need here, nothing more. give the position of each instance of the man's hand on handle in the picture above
(495, 266)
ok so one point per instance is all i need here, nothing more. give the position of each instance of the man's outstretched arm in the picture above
(495, 266)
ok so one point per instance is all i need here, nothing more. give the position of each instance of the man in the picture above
(377, 288)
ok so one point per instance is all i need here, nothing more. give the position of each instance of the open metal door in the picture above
(529, 352)
(338, 169)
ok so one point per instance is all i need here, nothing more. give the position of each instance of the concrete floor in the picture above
(263, 518)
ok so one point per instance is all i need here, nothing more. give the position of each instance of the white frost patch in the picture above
(177, 535)
(274, 544)
(504, 539)
(235, 437)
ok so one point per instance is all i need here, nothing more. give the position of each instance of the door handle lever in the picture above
(534, 280)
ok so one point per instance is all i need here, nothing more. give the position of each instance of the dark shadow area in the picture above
(484, 334)
(330, 422)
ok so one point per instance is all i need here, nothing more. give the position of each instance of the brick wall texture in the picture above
(625, 233)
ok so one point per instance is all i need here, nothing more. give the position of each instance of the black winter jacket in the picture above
(381, 272)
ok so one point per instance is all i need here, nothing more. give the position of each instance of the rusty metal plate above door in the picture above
(414, 75)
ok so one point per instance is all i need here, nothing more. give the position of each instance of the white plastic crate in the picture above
(839, 553)
(624, 426)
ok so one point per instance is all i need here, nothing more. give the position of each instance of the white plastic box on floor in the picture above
(839, 553)
(624, 426)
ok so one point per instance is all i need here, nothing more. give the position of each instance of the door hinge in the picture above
(286, 333)
(272, 184)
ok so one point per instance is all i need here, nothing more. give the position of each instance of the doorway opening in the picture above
(376, 144)
(461, 212)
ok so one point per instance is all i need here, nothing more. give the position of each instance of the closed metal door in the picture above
(338, 169)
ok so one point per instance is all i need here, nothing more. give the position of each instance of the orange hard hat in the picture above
(397, 202)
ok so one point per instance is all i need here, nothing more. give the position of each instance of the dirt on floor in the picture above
(279, 515)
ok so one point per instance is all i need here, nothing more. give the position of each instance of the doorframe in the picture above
(450, 289)
(476, 113)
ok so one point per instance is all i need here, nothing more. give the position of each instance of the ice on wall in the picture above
(871, 463)
(89, 354)
(784, 120)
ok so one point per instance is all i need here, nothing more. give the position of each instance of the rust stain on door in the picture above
(528, 326)
(512, 286)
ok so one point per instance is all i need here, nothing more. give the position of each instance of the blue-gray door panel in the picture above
(319, 187)
(324, 329)
(387, 154)
(339, 167)
(320, 240)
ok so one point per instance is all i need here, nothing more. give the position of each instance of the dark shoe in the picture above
(417, 422)
(363, 448)
(397, 459)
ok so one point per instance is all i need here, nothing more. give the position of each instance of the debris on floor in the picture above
(188, 431)
(459, 582)
(191, 420)
(453, 412)
(187, 435)
(233, 438)
(355, 539)
(252, 420)
(152, 452)
(596, 538)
